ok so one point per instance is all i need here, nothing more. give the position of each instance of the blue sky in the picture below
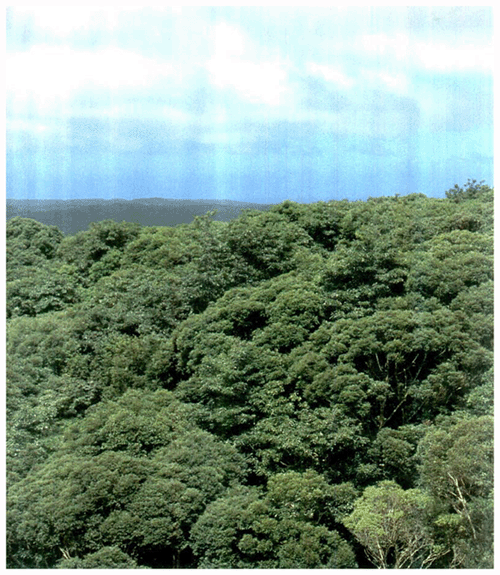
(257, 104)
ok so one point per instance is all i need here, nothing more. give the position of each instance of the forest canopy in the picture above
(309, 386)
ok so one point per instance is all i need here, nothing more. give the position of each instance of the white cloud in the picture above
(395, 47)
(395, 82)
(22, 133)
(235, 65)
(146, 111)
(229, 42)
(259, 75)
(264, 82)
(50, 74)
(330, 74)
(448, 58)
(64, 21)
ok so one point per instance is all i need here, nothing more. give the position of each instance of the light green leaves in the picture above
(391, 524)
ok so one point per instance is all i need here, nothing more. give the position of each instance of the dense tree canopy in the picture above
(306, 387)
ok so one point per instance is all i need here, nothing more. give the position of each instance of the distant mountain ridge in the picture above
(72, 216)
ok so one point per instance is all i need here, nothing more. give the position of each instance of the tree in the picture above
(217, 267)
(392, 526)
(29, 243)
(392, 455)
(456, 467)
(321, 220)
(54, 512)
(287, 527)
(44, 288)
(85, 249)
(450, 263)
(220, 395)
(134, 473)
(399, 365)
(321, 439)
(105, 558)
(267, 241)
(471, 190)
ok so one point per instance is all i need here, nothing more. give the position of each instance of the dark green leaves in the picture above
(309, 387)
(285, 528)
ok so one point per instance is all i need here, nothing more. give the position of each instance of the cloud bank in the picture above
(258, 104)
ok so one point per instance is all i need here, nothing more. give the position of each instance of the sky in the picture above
(256, 104)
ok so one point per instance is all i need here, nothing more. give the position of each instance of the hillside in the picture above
(309, 386)
(72, 216)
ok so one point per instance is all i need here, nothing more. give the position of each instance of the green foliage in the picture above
(102, 242)
(393, 454)
(308, 387)
(284, 528)
(456, 467)
(134, 301)
(322, 220)
(266, 241)
(160, 248)
(471, 190)
(105, 558)
(29, 243)
(217, 268)
(390, 523)
(452, 263)
(41, 289)
(321, 439)
(396, 366)
(138, 462)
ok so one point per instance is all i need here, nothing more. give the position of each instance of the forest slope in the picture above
(305, 387)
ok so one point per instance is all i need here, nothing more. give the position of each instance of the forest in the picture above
(309, 386)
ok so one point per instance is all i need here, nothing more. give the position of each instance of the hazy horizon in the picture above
(118, 199)
(250, 104)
